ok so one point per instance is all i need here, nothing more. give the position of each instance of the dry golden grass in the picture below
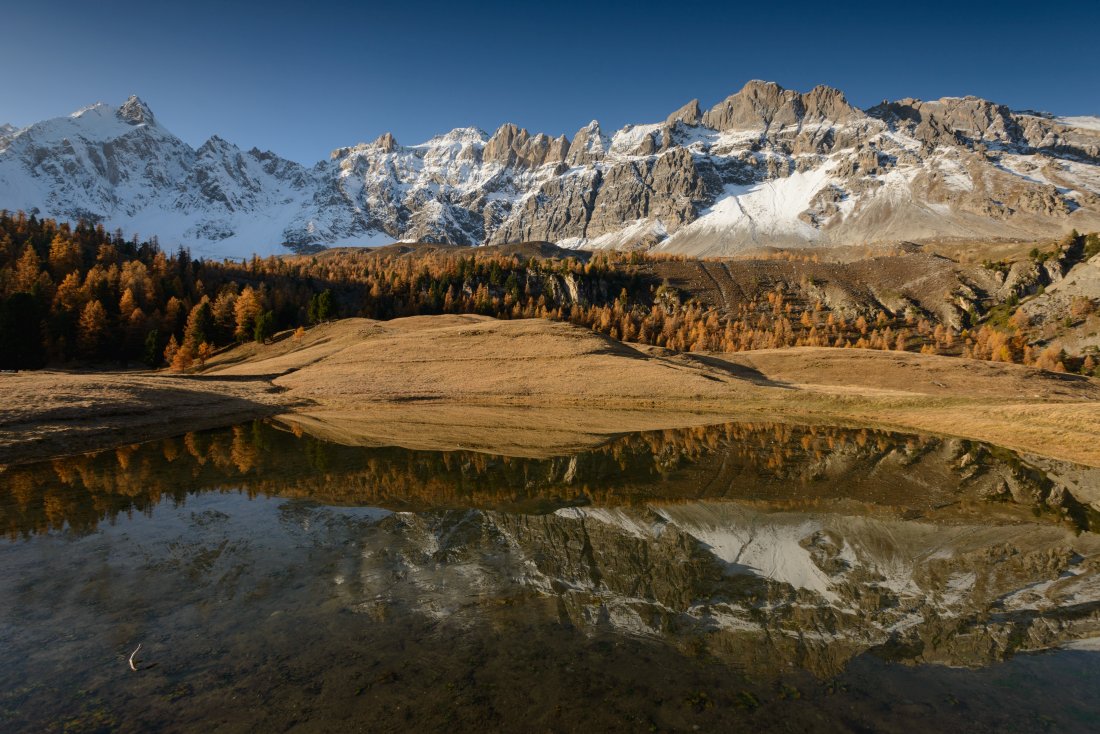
(536, 387)
(415, 381)
(46, 414)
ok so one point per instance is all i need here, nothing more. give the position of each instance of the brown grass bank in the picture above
(532, 387)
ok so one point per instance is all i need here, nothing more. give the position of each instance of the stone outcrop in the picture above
(385, 143)
(588, 146)
(515, 147)
(766, 105)
(560, 208)
(689, 114)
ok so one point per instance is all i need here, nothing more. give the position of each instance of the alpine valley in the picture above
(764, 167)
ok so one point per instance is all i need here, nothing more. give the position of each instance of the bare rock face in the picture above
(689, 114)
(671, 188)
(826, 104)
(588, 146)
(557, 150)
(977, 123)
(515, 147)
(824, 207)
(135, 112)
(953, 121)
(561, 207)
(764, 105)
(385, 143)
(767, 166)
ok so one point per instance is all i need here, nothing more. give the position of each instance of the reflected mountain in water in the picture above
(763, 588)
(763, 543)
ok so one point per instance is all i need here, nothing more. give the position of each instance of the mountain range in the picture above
(764, 167)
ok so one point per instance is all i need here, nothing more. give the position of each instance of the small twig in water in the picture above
(135, 652)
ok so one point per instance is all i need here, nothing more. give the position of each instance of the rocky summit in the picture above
(766, 166)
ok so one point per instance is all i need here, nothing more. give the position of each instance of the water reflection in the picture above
(766, 574)
(778, 464)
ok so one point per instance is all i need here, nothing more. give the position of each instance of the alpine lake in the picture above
(735, 577)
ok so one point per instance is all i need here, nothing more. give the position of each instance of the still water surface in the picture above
(763, 577)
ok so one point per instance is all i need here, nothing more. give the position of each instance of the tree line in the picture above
(79, 294)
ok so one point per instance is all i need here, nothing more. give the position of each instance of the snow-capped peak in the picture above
(460, 135)
(216, 143)
(97, 124)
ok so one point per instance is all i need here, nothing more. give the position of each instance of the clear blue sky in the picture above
(303, 78)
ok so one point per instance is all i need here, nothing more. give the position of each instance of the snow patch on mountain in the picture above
(758, 211)
(773, 550)
(1085, 122)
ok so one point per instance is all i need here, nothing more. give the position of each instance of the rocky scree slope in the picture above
(766, 166)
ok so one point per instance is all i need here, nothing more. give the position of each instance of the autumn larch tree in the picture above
(92, 335)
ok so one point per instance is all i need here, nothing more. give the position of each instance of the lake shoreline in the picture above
(504, 386)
